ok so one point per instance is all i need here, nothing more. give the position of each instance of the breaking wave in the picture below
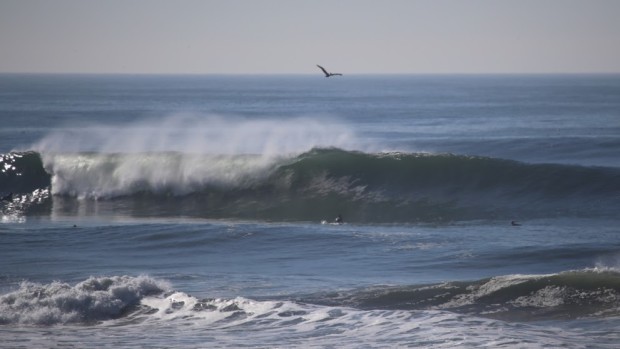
(364, 187)
(589, 293)
(93, 300)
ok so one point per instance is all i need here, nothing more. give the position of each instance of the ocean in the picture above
(182, 211)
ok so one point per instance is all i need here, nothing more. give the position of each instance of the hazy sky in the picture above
(291, 36)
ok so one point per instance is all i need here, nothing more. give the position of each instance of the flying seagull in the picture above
(328, 74)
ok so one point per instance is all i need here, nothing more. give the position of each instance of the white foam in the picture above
(242, 322)
(106, 175)
(550, 296)
(492, 286)
(95, 299)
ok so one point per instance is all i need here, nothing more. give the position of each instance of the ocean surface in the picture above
(199, 211)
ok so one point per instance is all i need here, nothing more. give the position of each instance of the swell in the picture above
(384, 187)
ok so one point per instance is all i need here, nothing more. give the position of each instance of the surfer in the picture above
(338, 219)
(515, 223)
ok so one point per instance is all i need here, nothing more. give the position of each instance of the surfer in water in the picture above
(338, 219)
(515, 223)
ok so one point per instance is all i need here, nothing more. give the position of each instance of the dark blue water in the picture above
(197, 211)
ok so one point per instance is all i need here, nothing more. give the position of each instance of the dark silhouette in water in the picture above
(515, 223)
(338, 220)
(328, 74)
(7, 197)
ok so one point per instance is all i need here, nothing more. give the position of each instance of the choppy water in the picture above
(196, 211)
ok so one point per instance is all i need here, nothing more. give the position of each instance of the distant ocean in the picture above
(199, 211)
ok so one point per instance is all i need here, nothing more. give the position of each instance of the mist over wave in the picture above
(203, 134)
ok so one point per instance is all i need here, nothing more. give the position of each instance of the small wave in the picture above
(566, 295)
(93, 300)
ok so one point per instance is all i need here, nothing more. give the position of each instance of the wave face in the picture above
(22, 173)
(363, 187)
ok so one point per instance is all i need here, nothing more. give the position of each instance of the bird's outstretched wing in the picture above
(323, 69)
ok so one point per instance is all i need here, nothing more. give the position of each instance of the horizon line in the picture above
(306, 74)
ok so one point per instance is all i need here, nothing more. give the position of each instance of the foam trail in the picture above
(187, 133)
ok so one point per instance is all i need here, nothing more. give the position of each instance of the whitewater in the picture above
(198, 211)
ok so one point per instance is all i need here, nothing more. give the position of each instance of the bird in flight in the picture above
(328, 74)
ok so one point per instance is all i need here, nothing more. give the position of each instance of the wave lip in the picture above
(93, 300)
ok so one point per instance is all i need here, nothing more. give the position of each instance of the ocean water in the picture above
(198, 211)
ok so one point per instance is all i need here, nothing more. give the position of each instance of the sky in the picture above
(292, 36)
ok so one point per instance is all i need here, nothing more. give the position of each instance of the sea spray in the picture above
(178, 154)
(204, 134)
